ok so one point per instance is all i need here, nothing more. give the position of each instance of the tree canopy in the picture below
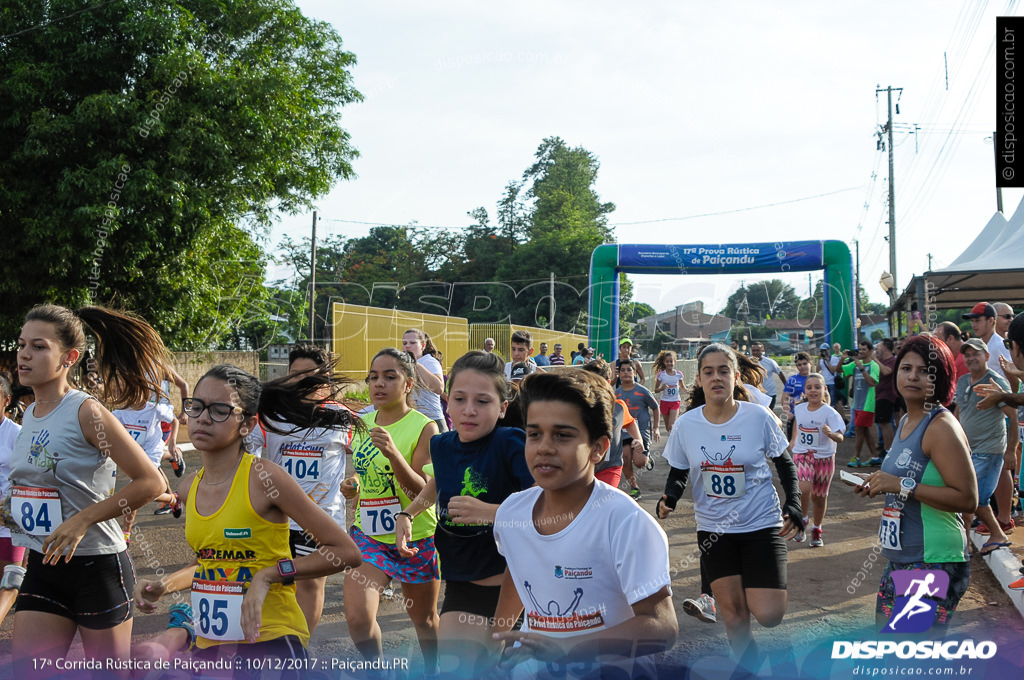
(146, 146)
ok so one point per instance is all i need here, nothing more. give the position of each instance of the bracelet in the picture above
(404, 513)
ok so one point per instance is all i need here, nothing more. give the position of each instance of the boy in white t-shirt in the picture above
(589, 564)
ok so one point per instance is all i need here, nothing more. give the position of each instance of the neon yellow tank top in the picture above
(232, 544)
(380, 494)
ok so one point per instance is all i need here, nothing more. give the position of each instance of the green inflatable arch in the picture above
(609, 260)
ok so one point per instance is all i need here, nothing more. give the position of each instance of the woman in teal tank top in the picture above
(928, 480)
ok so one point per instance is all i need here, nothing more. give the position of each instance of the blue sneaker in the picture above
(181, 617)
(874, 462)
(855, 462)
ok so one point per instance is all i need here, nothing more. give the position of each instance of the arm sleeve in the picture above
(675, 485)
(786, 468)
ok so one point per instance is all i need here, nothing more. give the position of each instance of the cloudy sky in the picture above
(714, 122)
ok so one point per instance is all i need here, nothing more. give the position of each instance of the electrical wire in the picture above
(58, 19)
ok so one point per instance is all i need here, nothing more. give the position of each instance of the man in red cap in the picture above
(983, 324)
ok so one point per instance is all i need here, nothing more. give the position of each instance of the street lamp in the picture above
(888, 284)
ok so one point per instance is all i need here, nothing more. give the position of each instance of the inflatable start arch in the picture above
(609, 260)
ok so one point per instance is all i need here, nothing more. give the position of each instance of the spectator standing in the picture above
(865, 372)
(557, 358)
(542, 359)
(885, 393)
(951, 334)
(771, 368)
(992, 439)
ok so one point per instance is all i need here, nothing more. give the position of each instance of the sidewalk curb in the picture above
(1005, 567)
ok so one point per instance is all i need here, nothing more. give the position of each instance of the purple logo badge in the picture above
(914, 610)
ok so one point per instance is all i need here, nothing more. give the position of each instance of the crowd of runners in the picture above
(500, 480)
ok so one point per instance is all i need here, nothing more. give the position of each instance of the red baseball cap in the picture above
(981, 309)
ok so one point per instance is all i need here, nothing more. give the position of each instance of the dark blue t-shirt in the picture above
(489, 469)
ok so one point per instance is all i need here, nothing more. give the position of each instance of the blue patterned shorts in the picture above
(420, 568)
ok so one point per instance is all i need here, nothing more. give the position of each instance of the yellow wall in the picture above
(360, 332)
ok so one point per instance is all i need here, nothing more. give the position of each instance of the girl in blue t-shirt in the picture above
(475, 468)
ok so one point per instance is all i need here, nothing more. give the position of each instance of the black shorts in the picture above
(758, 557)
(463, 596)
(883, 411)
(94, 591)
(301, 543)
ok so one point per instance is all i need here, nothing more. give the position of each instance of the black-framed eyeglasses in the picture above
(1008, 343)
(219, 411)
(1006, 316)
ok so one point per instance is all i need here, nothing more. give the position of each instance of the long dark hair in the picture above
(697, 397)
(130, 355)
(291, 403)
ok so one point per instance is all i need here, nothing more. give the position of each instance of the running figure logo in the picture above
(914, 607)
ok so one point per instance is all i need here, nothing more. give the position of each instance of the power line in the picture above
(739, 210)
(53, 21)
(625, 224)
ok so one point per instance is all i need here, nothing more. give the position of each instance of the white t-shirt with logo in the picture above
(423, 400)
(587, 576)
(8, 433)
(316, 460)
(729, 472)
(808, 430)
(671, 382)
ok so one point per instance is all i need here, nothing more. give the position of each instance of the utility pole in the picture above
(892, 202)
(312, 282)
(855, 302)
(929, 261)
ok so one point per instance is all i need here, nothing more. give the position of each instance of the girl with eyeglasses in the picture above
(62, 506)
(237, 511)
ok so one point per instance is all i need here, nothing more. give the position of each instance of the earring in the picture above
(244, 433)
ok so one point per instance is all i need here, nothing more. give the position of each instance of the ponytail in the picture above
(130, 355)
(290, 403)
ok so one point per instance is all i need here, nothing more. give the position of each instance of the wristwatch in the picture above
(907, 487)
(286, 569)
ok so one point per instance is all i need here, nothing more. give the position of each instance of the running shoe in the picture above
(634, 493)
(855, 462)
(650, 462)
(164, 509)
(1017, 585)
(799, 536)
(816, 541)
(874, 462)
(181, 617)
(178, 463)
(176, 507)
(703, 608)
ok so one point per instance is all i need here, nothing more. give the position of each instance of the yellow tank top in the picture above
(380, 494)
(231, 545)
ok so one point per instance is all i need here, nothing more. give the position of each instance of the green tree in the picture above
(567, 221)
(146, 145)
(765, 299)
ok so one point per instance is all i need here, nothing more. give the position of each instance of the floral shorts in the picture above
(420, 568)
